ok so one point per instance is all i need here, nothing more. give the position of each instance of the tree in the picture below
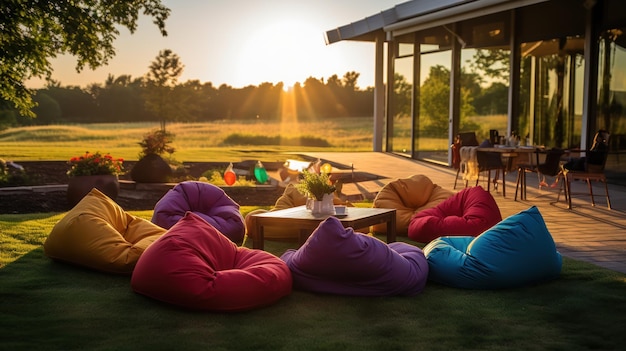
(160, 83)
(34, 31)
(435, 100)
(494, 63)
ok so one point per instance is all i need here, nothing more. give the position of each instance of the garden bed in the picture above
(42, 193)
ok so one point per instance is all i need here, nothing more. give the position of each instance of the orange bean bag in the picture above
(97, 233)
(408, 196)
(195, 266)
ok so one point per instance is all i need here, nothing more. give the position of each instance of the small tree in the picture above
(160, 83)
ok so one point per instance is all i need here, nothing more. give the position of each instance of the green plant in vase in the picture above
(315, 185)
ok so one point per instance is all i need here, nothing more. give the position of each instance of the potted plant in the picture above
(151, 167)
(93, 170)
(319, 190)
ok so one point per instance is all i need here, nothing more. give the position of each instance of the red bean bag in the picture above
(338, 260)
(97, 233)
(469, 212)
(204, 199)
(195, 266)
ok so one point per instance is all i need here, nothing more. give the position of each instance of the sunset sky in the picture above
(241, 42)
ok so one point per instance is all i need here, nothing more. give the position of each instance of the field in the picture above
(192, 141)
(216, 141)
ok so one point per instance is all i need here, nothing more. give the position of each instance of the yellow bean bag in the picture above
(99, 234)
(291, 197)
(408, 196)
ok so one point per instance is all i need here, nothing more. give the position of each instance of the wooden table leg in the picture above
(391, 228)
(259, 239)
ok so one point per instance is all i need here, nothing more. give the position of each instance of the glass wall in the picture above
(400, 126)
(484, 91)
(550, 93)
(434, 101)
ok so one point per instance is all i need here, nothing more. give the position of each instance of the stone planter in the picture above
(151, 169)
(78, 187)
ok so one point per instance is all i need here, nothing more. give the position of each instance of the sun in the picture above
(285, 51)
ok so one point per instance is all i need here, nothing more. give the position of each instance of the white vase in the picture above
(324, 207)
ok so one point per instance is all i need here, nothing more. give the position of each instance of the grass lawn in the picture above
(46, 305)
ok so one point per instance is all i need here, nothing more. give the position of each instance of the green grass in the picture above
(46, 305)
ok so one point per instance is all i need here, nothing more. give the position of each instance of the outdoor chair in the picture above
(592, 170)
(491, 161)
(551, 167)
(462, 139)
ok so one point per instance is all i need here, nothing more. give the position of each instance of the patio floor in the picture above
(592, 234)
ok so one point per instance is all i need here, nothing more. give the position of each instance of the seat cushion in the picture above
(471, 211)
(204, 199)
(97, 233)
(408, 196)
(195, 266)
(517, 251)
(338, 260)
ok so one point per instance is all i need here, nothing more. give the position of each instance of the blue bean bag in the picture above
(515, 252)
(194, 266)
(337, 260)
(206, 200)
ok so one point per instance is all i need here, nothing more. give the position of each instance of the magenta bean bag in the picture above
(338, 260)
(196, 267)
(469, 212)
(206, 200)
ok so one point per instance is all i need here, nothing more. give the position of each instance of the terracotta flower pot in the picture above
(80, 186)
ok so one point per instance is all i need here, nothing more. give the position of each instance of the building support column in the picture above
(379, 95)
(515, 58)
(590, 88)
(454, 103)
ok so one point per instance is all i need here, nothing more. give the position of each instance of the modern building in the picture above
(552, 72)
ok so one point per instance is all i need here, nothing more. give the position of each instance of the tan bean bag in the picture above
(408, 196)
(291, 198)
(97, 233)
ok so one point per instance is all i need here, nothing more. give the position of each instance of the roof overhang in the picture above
(371, 27)
(417, 15)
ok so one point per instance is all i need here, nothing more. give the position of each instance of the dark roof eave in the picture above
(366, 29)
(370, 27)
(367, 37)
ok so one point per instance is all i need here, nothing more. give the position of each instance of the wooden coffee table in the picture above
(305, 222)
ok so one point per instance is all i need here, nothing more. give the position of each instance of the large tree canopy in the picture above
(34, 31)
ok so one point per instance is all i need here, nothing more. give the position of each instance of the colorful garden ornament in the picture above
(326, 168)
(260, 173)
(229, 175)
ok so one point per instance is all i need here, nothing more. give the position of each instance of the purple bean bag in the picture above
(338, 260)
(206, 200)
(194, 266)
(469, 212)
